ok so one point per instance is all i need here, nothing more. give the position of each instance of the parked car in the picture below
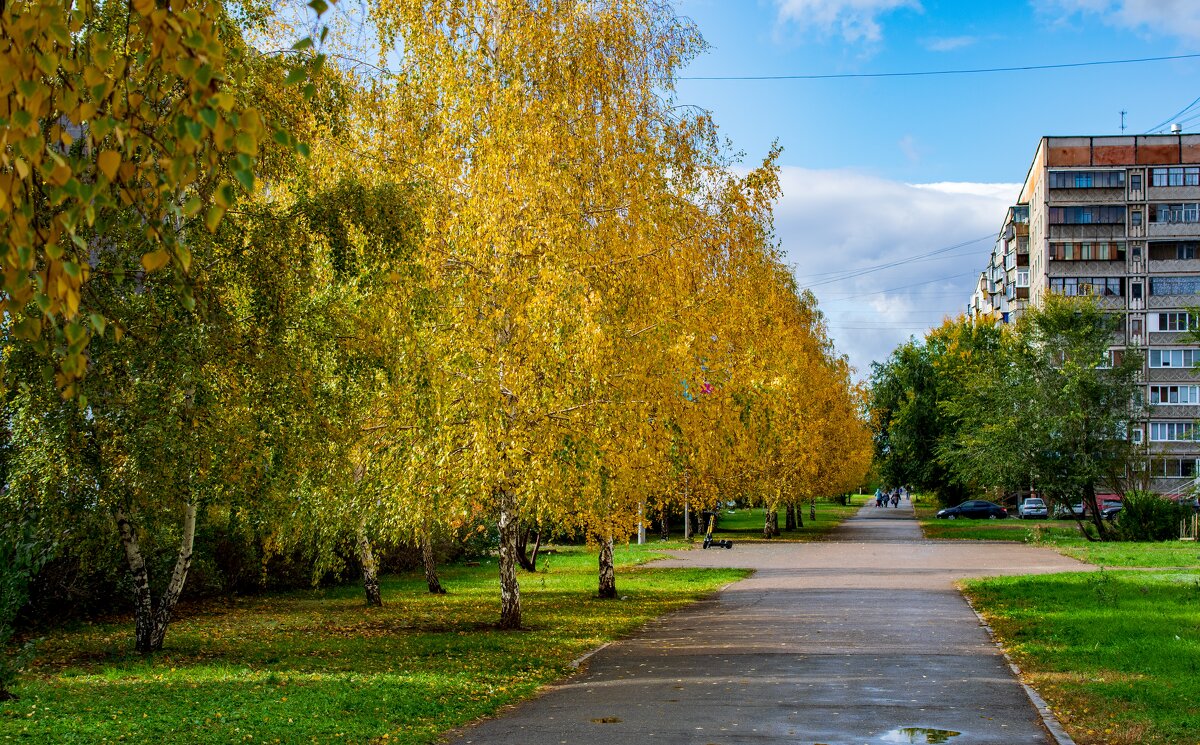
(974, 509)
(1032, 508)
(1065, 511)
(1111, 510)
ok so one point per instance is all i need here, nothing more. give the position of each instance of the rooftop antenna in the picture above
(1123, 113)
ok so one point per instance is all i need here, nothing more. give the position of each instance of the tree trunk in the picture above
(1093, 507)
(608, 574)
(150, 623)
(510, 590)
(687, 520)
(770, 523)
(528, 561)
(430, 565)
(370, 569)
(789, 521)
(812, 510)
(664, 531)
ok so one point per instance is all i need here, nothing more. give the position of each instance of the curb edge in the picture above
(1049, 721)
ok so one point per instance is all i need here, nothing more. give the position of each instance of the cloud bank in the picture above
(1173, 18)
(854, 20)
(837, 227)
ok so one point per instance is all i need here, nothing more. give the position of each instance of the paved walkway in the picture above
(858, 639)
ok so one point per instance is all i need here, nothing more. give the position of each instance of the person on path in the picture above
(896, 499)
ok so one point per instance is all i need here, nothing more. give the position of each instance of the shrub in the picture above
(21, 556)
(1149, 517)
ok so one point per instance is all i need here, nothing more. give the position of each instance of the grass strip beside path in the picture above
(1115, 653)
(320, 666)
(1064, 537)
(746, 524)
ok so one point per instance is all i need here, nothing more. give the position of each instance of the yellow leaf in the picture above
(156, 260)
(108, 162)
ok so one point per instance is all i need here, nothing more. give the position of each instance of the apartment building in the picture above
(1117, 218)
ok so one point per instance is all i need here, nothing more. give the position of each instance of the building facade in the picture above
(1117, 218)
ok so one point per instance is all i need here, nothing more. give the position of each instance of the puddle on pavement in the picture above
(919, 736)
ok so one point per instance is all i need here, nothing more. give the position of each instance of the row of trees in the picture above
(496, 277)
(1041, 405)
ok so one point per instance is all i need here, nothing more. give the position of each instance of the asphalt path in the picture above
(861, 638)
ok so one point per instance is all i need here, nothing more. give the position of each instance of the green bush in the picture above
(21, 556)
(1149, 517)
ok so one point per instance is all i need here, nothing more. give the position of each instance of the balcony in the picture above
(1173, 230)
(1192, 266)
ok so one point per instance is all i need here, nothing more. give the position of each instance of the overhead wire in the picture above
(854, 273)
(928, 73)
(1174, 117)
(905, 287)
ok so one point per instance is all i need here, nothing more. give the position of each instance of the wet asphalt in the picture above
(862, 638)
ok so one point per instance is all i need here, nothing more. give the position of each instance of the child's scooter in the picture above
(712, 524)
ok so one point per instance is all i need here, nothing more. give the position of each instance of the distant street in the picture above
(859, 639)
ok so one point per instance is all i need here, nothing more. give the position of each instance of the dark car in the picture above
(975, 509)
(1111, 510)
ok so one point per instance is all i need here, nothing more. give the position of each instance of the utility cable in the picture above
(853, 273)
(905, 287)
(1174, 118)
(927, 73)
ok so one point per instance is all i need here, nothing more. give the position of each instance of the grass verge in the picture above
(319, 666)
(747, 524)
(1115, 653)
(1064, 537)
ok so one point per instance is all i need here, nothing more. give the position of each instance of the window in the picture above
(1135, 290)
(1177, 321)
(1103, 214)
(1172, 431)
(1172, 468)
(1188, 212)
(1137, 435)
(1135, 326)
(1175, 176)
(1135, 218)
(1189, 285)
(1110, 358)
(1022, 278)
(1137, 250)
(1174, 250)
(1187, 395)
(1181, 358)
(1073, 286)
(1135, 182)
(1087, 179)
(1088, 251)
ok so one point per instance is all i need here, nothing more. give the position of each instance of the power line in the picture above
(1173, 117)
(853, 273)
(928, 73)
(905, 287)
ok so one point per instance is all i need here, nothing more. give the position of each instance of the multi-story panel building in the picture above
(1117, 218)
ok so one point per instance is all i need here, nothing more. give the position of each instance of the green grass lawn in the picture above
(747, 524)
(1115, 653)
(1012, 529)
(1064, 537)
(320, 666)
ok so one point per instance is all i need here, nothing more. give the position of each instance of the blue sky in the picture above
(877, 170)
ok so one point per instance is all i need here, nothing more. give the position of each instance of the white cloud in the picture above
(835, 222)
(1178, 18)
(854, 20)
(949, 43)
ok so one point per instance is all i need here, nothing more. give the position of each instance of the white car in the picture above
(1032, 507)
